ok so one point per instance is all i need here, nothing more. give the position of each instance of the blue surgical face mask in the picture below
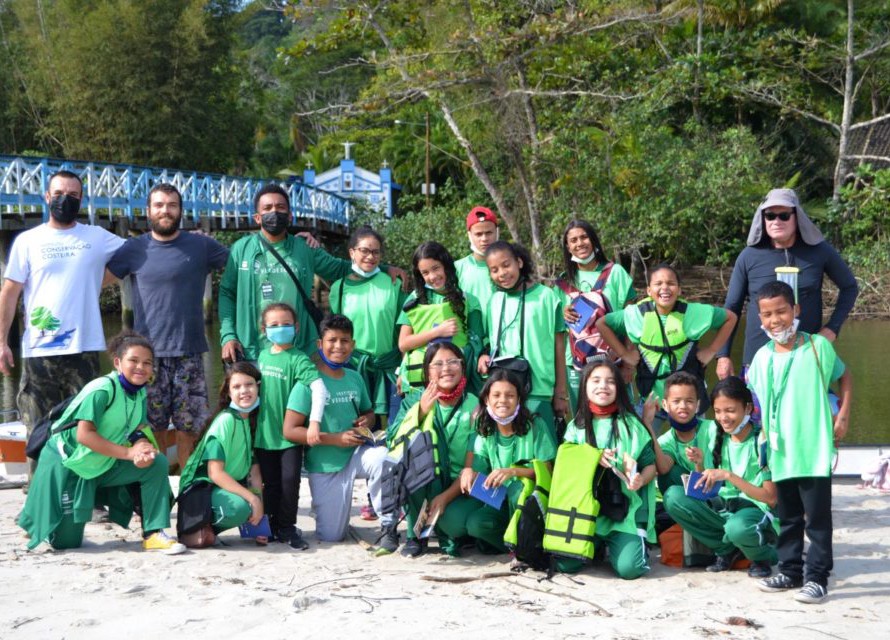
(281, 334)
(683, 428)
(333, 365)
(365, 274)
(741, 426)
(235, 407)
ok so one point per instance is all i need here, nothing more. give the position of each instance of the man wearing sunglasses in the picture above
(784, 244)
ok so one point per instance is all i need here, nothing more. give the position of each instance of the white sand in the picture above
(112, 589)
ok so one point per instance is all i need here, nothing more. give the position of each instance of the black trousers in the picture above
(281, 485)
(805, 506)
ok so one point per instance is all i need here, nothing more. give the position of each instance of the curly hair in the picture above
(453, 294)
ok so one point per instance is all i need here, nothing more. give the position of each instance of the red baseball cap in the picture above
(480, 214)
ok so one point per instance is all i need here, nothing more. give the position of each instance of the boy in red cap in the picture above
(472, 271)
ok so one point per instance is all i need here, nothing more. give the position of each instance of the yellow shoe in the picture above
(160, 541)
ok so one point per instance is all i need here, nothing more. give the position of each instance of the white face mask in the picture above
(502, 421)
(784, 336)
(364, 274)
(586, 260)
(741, 426)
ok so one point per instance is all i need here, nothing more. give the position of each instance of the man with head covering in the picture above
(472, 271)
(784, 244)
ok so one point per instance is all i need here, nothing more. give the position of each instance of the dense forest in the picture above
(664, 123)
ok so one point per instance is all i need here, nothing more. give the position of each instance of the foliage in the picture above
(862, 219)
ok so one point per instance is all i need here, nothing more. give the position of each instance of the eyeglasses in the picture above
(450, 363)
(785, 216)
(368, 252)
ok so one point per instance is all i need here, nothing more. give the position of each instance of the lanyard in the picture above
(775, 394)
(454, 410)
(500, 332)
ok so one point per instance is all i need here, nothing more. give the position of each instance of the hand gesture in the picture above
(310, 239)
(497, 477)
(482, 366)
(428, 398)
(232, 351)
(650, 408)
(447, 328)
(695, 455)
(467, 478)
(608, 458)
(710, 476)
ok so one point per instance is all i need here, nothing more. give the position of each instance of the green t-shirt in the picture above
(635, 440)
(742, 459)
(543, 320)
(704, 438)
(619, 291)
(347, 399)
(474, 278)
(697, 321)
(281, 371)
(500, 452)
(373, 304)
(228, 440)
(792, 389)
(460, 433)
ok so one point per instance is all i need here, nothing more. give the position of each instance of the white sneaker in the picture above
(811, 593)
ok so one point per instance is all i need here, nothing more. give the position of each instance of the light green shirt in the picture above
(373, 304)
(704, 438)
(347, 399)
(501, 452)
(281, 371)
(473, 277)
(742, 459)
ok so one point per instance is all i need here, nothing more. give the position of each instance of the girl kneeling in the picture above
(738, 522)
(508, 437)
(224, 455)
(606, 420)
(106, 451)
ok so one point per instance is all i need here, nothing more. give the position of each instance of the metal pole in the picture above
(427, 121)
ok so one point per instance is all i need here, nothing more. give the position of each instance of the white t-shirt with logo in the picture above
(62, 271)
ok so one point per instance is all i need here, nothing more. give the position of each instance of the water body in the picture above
(863, 345)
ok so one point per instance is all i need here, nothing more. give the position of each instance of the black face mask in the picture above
(275, 222)
(64, 208)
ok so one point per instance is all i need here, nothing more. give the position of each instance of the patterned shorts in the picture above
(178, 394)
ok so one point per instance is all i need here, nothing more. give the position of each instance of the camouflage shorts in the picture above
(178, 394)
(46, 381)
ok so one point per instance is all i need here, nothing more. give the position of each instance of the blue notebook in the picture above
(700, 493)
(585, 309)
(493, 497)
(248, 530)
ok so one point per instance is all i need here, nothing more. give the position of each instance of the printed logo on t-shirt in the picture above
(43, 320)
(341, 397)
(63, 249)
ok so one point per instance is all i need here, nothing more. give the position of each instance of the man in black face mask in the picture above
(168, 269)
(254, 277)
(59, 267)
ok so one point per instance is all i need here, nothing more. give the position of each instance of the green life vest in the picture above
(424, 317)
(573, 510)
(665, 341)
(525, 532)
(123, 416)
(413, 459)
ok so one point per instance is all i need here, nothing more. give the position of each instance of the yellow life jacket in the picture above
(572, 510)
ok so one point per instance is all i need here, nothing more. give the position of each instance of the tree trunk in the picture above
(840, 169)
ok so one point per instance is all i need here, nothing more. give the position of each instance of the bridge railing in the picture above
(116, 190)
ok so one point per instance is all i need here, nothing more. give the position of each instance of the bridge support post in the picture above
(125, 287)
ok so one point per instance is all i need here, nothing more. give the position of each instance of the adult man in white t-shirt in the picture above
(59, 266)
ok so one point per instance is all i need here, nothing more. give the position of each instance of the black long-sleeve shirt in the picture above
(756, 266)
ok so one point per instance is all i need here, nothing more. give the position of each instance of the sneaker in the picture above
(367, 512)
(723, 563)
(779, 582)
(388, 541)
(811, 593)
(297, 541)
(160, 541)
(760, 569)
(414, 548)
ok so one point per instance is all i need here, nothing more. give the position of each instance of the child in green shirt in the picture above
(282, 366)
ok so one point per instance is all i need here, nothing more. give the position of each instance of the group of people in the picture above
(494, 367)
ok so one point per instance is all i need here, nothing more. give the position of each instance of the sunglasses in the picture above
(784, 216)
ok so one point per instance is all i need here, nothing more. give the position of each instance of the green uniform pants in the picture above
(154, 490)
(627, 555)
(451, 525)
(229, 510)
(748, 529)
(488, 525)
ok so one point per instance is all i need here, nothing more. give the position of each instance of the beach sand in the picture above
(110, 588)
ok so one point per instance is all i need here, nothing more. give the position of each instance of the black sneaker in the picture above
(760, 569)
(723, 563)
(811, 593)
(387, 541)
(780, 582)
(297, 541)
(414, 548)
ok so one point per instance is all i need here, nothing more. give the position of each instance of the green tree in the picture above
(44, 320)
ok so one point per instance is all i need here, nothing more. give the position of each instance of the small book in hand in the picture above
(426, 522)
(373, 438)
(700, 493)
(627, 471)
(493, 497)
(585, 310)
(260, 530)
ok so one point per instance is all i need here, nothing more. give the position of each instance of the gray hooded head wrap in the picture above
(784, 198)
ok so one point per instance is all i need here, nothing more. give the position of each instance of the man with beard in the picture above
(255, 276)
(168, 269)
(59, 266)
